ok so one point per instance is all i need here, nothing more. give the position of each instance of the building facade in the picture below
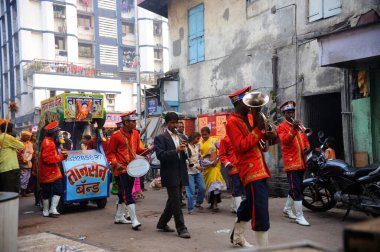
(274, 46)
(55, 46)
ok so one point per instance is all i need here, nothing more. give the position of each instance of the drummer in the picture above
(122, 149)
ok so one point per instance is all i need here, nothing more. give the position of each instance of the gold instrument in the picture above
(257, 99)
(302, 128)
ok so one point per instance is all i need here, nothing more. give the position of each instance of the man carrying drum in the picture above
(122, 149)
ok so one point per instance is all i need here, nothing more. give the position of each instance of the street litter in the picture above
(66, 248)
(82, 237)
(223, 231)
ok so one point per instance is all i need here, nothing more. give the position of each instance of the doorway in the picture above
(323, 113)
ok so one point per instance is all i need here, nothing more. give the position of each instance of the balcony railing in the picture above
(64, 68)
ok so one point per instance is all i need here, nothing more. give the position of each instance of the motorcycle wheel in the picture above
(318, 198)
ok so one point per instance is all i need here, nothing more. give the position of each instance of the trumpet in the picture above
(302, 128)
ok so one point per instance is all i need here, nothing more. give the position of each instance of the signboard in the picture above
(86, 175)
(152, 105)
(81, 107)
(112, 119)
(216, 123)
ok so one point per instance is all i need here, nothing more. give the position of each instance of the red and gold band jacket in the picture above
(48, 169)
(118, 152)
(245, 143)
(227, 156)
(293, 145)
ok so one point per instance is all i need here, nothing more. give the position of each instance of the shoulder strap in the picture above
(126, 142)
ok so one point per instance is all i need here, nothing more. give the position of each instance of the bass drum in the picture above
(138, 167)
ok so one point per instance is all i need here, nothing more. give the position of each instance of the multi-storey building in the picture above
(50, 47)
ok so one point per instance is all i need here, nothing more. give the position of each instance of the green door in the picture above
(375, 109)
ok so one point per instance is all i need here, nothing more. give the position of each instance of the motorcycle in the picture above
(335, 181)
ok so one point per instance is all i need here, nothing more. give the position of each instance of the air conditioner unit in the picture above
(110, 96)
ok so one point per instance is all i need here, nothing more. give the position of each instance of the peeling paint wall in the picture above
(239, 42)
(239, 45)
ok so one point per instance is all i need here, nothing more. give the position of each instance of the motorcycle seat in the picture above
(359, 172)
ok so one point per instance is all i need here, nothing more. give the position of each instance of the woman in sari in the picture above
(213, 178)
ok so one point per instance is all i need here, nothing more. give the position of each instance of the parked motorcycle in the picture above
(335, 181)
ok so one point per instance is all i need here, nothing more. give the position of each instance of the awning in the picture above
(159, 7)
(350, 47)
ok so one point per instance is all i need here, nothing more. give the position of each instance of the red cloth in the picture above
(48, 169)
(119, 153)
(227, 155)
(245, 144)
(293, 144)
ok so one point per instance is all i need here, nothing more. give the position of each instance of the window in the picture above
(129, 54)
(196, 34)
(127, 28)
(157, 28)
(319, 9)
(158, 54)
(60, 43)
(85, 50)
(84, 21)
(59, 11)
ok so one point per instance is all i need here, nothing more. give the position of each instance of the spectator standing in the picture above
(9, 167)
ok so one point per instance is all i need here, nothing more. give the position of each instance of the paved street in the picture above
(209, 231)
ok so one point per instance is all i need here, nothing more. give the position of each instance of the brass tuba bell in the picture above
(255, 99)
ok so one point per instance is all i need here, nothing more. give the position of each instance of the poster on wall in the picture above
(86, 175)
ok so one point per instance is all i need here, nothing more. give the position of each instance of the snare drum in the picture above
(138, 167)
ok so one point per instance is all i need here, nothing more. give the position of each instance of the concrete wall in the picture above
(239, 42)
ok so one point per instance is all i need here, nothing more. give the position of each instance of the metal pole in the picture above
(138, 62)
(146, 115)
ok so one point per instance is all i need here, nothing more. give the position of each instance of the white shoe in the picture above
(261, 238)
(238, 200)
(132, 212)
(53, 207)
(287, 211)
(45, 211)
(119, 218)
(299, 214)
(233, 205)
(237, 236)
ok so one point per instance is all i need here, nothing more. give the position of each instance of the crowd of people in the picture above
(190, 167)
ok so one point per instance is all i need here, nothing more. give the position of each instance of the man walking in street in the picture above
(294, 144)
(253, 170)
(171, 153)
(49, 174)
(122, 149)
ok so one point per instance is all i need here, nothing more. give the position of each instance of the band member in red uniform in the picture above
(294, 144)
(122, 149)
(253, 170)
(49, 174)
(228, 159)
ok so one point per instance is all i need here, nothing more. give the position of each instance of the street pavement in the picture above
(209, 231)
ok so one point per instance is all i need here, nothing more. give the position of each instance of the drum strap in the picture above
(126, 142)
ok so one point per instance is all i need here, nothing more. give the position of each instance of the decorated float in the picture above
(86, 172)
